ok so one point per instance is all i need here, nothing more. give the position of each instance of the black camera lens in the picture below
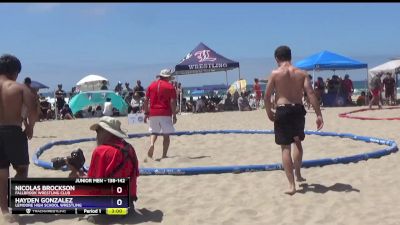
(58, 162)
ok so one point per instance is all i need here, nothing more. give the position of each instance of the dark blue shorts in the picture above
(289, 123)
(13, 147)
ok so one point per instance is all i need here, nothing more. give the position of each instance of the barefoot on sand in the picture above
(291, 192)
(300, 179)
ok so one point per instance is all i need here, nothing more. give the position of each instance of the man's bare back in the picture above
(11, 95)
(289, 83)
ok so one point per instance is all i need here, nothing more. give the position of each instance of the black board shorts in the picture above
(13, 147)
(289, 123)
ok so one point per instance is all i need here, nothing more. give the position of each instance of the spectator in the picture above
(375, 89)
(108, 107)
(98, 112)
(128, 100)
(118, 88)
(88, 113)
(60, 98)
(257, 92)
(235, 100)
(361, 99)
(243, 103)
(135, 103)
(126, 91)
(228, 103)
(348, 88)
(319, 87)
(72, 93)
(66, 113)
(138, 88)
(45, 108)
(201, 104)
(104, 85)
(113, 156)
(389, 84)
(190, 105)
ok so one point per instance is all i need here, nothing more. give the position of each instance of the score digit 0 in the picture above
(119, 190)
(119, 202)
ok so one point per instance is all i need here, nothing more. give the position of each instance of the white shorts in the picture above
(161, 125)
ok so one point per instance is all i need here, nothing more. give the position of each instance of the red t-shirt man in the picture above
(160, 93)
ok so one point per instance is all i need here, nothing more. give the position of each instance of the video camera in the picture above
(77, 160)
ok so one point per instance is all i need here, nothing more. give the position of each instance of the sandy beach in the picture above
(365, 193)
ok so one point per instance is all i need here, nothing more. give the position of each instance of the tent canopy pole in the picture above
(226, 77)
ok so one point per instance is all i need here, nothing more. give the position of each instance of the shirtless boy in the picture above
(289, 84)
(13, 140)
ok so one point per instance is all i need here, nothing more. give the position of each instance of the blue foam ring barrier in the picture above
(209, 170)
(237, 169)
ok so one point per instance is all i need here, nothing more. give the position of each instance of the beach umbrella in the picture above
(38, 85)
(91, 82)
(239, 85)
(94, 98)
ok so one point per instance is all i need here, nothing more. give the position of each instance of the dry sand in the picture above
(365, 193)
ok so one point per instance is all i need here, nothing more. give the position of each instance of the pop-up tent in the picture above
(203, 59)
(95, 98)
(393, 66)
(326, 60)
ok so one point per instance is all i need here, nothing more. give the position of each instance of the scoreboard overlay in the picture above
(69, 196)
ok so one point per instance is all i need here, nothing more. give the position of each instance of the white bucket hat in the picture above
(166, 73)
(111, 125)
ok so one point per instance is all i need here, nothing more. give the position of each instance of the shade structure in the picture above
(239, 86)
(392, 66)
(91, 82)
(203, 59)
(327, 60)
(38, 85)
(95, 98)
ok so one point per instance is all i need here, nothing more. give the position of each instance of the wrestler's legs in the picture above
(288, 167)
(297, 158)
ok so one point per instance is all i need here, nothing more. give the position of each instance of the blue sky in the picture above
(63, 42)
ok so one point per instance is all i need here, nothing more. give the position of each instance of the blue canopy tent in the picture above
(94, 98)
(326, 60)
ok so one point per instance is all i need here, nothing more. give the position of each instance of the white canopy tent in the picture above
(91, 83)
(392, 66)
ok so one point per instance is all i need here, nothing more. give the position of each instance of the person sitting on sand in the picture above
(66, 113)
(243, 102)
(361, 99)
(113, 156)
